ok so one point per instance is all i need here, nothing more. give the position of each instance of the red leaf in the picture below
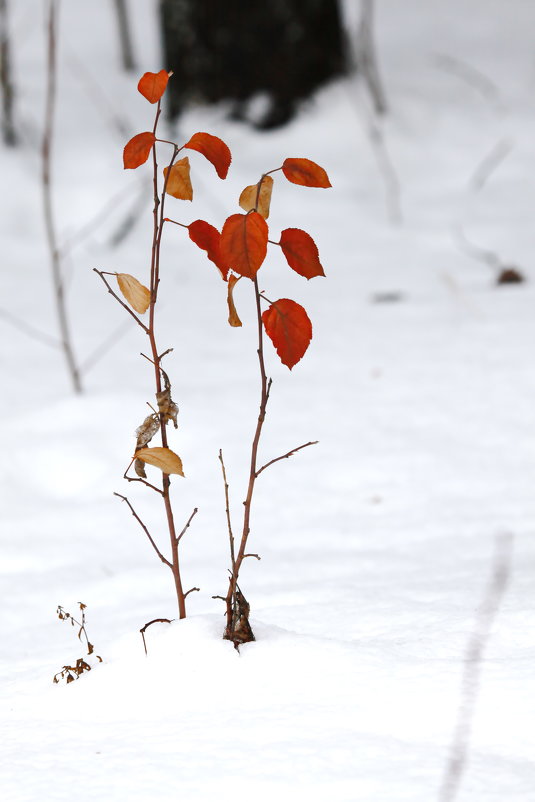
(305, 172)
(214, 149)
(301, 252)
(137, 151)
(152, 85)
(244, 243)
(209, 239)
(289, 328)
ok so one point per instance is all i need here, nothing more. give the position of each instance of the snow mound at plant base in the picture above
(305, 717)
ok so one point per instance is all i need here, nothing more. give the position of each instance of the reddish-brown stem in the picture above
(265, 386)
(158, 215)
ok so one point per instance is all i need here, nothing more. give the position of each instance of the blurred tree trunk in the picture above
(236, 49)
(125, 37)
(366, 57)
(8, 126)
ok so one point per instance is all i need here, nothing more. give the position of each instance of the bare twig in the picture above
(489, 258)
(256, 556)
(366, 58)
(473, 661)
(104, 348)
(285, 456)
(132, 314)
(227, 509)
(191, 590)
(140, 522)
(147, 625)
(186, 526)
(491, 161)
(470, 75)
(31, 331)
(46, 152)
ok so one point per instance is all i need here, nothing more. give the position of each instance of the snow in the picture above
(377, 544)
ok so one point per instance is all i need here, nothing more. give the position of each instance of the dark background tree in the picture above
(235, 49)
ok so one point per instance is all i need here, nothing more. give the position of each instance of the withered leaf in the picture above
(251, 198)
(179, 181)
(147, 430)
(137, 295)
(233, 318)
(163, 458)
(167, 407)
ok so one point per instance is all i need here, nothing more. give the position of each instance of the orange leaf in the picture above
(305, 172)
(137, 295)
(289, 328)
(179, 184)
(252, 199)
(244, 243)
(137, 150)
(209, 239)
(233, 318)
(163, 458)
(301, 252)
(152, 85)
(214, 149)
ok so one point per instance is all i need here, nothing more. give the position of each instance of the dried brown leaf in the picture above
(251, 198)
(137, 295)
(179, 181)
(163, 458)
(233, 318)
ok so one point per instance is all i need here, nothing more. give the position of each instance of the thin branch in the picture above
(471, 75)
(132, 314)
(227, 509)
(285, 456)
(491, 161)
(488, 257)
(140, 479)
(256, 556)
(140, 522)
(154, 621)
(104, 348)
(46, 178)
(26, 328)
(471, 680)
(191, 590)
(186, 526)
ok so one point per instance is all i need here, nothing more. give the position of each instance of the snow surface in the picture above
(377, 544)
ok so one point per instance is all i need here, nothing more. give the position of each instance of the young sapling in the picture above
(141, 300)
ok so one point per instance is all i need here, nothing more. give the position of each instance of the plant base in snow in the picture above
(239, 629)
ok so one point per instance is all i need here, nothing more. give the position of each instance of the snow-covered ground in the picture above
(377, 545)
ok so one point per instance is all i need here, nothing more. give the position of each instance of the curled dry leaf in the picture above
(144, 435)
(152, 85)
(163, 458)
(244, 243)
(305, 172)
(233, 318)
(208, 238)
(137, 295)
(251, 198)
(289, 329)
(167, 407)
(212, 148)
(136, 151)
(178, 182)
(301, 252)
